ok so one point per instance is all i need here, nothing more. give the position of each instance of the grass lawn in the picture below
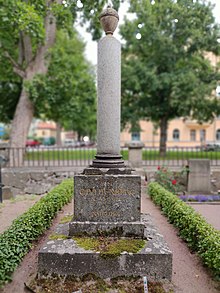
(179, 154)
(89, 154)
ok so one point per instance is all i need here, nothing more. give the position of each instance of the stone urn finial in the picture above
(109, 20)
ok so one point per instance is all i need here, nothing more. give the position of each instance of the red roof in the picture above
(46, 125)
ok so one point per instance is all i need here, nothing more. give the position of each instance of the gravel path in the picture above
(10, 210)
(189, 275)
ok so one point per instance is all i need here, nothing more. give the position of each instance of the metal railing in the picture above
(79, 157)
(179, 156)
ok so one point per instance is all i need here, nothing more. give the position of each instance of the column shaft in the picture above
(109, 96)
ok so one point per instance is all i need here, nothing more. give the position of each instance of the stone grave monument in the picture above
(107, 196)
(199, 180)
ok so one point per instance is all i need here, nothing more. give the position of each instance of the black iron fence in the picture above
(80, 157)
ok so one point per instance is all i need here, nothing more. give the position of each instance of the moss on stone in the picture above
(58, 236)
(109, 246)
(128, 245)
(87, 242)
(66, 219)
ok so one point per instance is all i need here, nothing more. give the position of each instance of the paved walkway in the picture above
(211, 212)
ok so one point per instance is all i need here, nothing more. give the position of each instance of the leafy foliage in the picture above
(17, 240)
(164, 71)
(27, 33)
(67, 93)
(193, 228)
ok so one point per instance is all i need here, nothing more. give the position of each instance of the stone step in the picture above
(65, 257)
(119, 229)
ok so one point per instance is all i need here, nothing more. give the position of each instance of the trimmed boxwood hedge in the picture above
(17, 240)
(193, 228)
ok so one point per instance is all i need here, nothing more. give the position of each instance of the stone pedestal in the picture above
(107, 203)
(199, 176)
(135, 153)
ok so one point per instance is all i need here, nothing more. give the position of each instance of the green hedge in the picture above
(193, 228)
(17, 240)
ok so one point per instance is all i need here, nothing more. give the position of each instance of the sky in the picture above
(91, 46)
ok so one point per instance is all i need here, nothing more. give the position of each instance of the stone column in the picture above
(109, 95)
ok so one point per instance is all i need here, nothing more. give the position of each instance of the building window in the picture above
(176, 134)
(202, 135)
(218, 134)
(135, 136)
(192, 135)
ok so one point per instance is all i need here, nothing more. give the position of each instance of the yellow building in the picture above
(46, 129)
(181, 132)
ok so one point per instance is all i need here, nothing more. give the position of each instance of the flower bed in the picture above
(172, 181)
(200, 198)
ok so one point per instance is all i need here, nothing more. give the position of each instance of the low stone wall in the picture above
(40, 181)
(23, 181)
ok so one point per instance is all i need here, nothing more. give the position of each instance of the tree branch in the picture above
(20, 50)
(28, 55)
(17, 69)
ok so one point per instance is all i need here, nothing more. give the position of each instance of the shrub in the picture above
(17, 240)
(167, 179)
(193, 228)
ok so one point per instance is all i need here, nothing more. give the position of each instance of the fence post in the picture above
(135, 153)
(3, 161)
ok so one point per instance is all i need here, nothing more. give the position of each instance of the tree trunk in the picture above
(78, 136)
(58, 134)
(22, 120)
(37, 64)
(163, 136)
(20, 127)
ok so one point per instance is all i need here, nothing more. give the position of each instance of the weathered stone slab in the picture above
(37, 188)
(7, 193)
(107, 198)
(37, 176)
(199, 176)
(119, 229)
(65, 257)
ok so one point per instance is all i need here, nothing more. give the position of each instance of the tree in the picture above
(165, 73)
(67, 93)
(27, 33)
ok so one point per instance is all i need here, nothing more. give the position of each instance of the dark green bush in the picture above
(193, 228)
(17, 240)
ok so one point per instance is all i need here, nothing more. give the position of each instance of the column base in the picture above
(108, 161)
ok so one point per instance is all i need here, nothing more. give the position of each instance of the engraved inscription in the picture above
(105, 214)
(106, 192)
